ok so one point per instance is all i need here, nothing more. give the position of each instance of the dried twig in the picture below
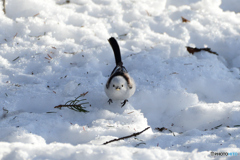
(122, 138)
(83, 94)
(140, 144)
(76, 104)
(193, 50)
(66, 2)
(74, 107)
(36, 15)
(5, 110)
(184, 20)
(16, 58)
(4, 114)
(130, 112)
(51, 112)
(4, 7)
(15, 35)
(163, 128)
(73, 53)
(49, 56)
(123, 35)
(216, 127)
(148, 13)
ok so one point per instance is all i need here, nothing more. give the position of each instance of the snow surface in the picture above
(51, 52)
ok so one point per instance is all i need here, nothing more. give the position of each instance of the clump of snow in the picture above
(52, 52)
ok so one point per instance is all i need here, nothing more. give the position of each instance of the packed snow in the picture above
(52, 52)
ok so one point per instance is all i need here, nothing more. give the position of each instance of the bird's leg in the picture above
(124, 102)
(110, 101)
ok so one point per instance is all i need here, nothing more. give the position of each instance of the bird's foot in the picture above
(124, 102)
(110, 101)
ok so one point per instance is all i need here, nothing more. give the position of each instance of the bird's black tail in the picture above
(116, 51)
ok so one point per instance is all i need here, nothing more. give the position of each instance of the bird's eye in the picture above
(113, 85)
(122, 85)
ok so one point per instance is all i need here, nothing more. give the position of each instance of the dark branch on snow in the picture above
(122, 138)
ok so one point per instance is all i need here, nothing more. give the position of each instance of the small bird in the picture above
(120, 86)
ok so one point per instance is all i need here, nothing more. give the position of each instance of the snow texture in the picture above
(52, 51)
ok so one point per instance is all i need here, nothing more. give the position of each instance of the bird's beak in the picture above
(117, 88)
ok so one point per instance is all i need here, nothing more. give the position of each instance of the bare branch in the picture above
(122, 138)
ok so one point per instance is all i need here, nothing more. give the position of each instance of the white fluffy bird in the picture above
(120, 86)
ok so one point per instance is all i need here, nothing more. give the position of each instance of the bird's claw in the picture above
(110, 101)
(124, 102)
